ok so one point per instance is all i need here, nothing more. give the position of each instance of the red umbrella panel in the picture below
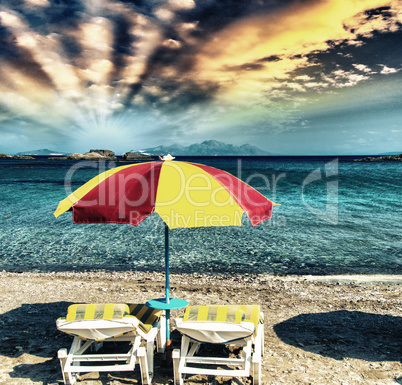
(183, 194)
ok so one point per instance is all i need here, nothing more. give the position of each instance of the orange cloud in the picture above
(289, 35)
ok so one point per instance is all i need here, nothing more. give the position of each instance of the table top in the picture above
(161, 304)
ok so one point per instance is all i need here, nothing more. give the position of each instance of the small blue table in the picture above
(162, 304)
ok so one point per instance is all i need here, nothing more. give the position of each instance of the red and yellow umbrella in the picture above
(183, 194)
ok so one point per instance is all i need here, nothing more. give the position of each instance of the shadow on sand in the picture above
(29, 335)
(341, 334)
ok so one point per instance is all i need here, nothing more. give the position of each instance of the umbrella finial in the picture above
(167, 157)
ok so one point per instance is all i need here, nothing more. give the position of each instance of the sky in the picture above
(293, 77)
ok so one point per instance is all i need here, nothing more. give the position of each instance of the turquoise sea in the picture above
(336, 216)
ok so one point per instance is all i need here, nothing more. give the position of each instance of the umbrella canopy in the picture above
(183, 194)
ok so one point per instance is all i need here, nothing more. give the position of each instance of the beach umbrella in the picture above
(183, 194)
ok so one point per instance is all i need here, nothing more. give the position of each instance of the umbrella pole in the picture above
(168, 341)
(167, 263)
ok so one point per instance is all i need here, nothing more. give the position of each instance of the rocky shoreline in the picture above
(318, 330)
(94, 155)
(105, 155)
(5, 156)
(380, 158)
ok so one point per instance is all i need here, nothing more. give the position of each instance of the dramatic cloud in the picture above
(119, 74)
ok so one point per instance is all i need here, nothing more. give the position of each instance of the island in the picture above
(106, 155)
(4, 156)
(91, 155)
(130, 156)
(42, 152)
(380, 158)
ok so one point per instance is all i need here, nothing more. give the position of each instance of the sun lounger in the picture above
(92, 325)
(240, 325)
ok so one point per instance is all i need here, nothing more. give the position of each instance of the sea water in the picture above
(336, 216)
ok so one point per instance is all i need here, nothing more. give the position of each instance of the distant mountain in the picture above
(42, 151)
(206, 148)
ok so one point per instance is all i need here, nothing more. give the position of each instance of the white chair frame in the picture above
(70, 361)
(250, 361)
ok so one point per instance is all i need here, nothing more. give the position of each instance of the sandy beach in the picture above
(318, 330)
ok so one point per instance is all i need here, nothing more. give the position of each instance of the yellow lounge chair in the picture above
(230, 325)
(92, 325)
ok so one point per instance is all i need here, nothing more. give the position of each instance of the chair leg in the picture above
(257, 355)
(161, 337)
(68, 377)
(195, 346)
(150, 357)
(178, 379)
(262, 342)
(142, 357)
(98, 345)
(256, 363)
